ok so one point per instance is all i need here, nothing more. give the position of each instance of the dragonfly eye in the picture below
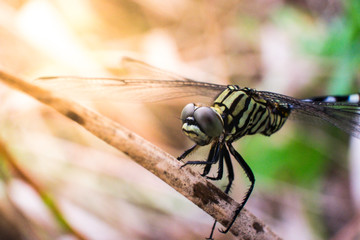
(188, 111)
(209, 121)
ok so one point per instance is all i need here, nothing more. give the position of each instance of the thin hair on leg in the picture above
(210, 160)
(230, 169)
(221, 165)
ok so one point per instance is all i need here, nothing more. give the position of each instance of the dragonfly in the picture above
(235, 112)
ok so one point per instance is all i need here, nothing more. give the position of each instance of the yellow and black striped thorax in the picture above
(245, 112)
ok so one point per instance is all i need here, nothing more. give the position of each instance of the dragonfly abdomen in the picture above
(353, 98)
(246, 114)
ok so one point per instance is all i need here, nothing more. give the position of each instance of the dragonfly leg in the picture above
(230, 170)
(251, 177)
(212, 231)
(207, 169)
(221, 165)
(187, 152)
(213, 157)
(224, 153)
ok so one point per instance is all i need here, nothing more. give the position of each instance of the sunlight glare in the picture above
(43, 26)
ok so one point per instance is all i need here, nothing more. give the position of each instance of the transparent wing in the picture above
(143, 83)
(343, 115)
(118, 89)
(137, 69)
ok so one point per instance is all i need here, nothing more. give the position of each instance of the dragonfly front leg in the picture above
(223, 154)
(187, 152)
(213, 157)
(220, 169)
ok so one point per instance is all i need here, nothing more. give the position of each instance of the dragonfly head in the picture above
(201, 124)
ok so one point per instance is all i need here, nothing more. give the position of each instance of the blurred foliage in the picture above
(337, 41)
(295, 160)
(343, 46)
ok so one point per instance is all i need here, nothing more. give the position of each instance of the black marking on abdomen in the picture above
(353, 98)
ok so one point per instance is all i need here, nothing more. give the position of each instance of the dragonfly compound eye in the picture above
(188, 111)
(209, 121)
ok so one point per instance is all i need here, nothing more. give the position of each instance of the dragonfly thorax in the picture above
(201, 124)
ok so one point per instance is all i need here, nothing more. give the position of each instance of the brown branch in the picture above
(191, 185)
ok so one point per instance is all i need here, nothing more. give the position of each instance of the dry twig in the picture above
(191, 185)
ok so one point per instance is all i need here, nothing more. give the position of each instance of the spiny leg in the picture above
(221, 166)
(207, 168)
(187, 152)
(212, 231)
(224, 153)
(230, 170)
(251, 177)
(213, 156)
(217, 153)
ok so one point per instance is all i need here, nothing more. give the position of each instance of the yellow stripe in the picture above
(245, 116)
(241, 104)
(231, 98)
(222, 95)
